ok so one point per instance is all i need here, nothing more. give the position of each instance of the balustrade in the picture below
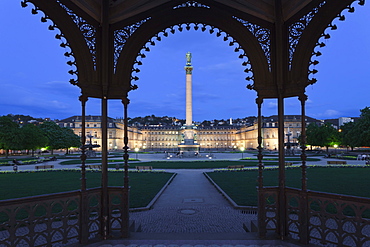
(57, 219)
(332, 219)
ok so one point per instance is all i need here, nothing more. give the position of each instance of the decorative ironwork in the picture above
(293, 214)
(84, 201)
(94, 212)
(119, 213)
(261, 199)
(44, 220)
(268, 221)
(122, 35)
(349, 227)
(54, 220)
(333, 219)
(64, 43)
(297, 28)
(262, 34)
(324, 35)
(87, 30)
(193, 4)
(126, 189)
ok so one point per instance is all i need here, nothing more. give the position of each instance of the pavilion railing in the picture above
(58, 219)
(333, 220)
(119, 222)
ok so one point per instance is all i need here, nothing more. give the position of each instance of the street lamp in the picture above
(242, 149)
(136, 150)
(335, 148)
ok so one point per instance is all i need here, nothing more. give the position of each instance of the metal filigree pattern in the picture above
(263, 35)
(269, 222)
(349, 227)
(117, 204)
(55, 220)
(122, 35)
(94, 209)
(87, 30)
(42, 221)
(297, 28)
(191, 4)
(320, 44)
(337, 220)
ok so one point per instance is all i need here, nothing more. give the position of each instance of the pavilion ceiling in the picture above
(123, 9)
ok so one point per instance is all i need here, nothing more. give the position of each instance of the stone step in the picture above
(188, 245)
(140, 239)
(134, 227)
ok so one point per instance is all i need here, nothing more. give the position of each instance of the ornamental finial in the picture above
(188, 58)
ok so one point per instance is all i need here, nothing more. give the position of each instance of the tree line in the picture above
(350, 135)
(32, 137)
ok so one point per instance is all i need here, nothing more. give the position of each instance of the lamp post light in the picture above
(136, 150)
(288, 144)
(242, 150)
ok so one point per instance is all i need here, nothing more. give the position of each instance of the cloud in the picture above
(327, 114)
(49, 100)
(332, 113)
(54, 84)
(270, 105)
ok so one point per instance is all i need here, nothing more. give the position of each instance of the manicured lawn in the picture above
(144, 186)
(241, 186)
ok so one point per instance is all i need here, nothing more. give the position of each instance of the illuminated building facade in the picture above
(210, 138)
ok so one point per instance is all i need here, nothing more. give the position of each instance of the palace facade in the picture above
(210, 138)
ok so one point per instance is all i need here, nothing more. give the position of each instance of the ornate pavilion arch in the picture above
(103, 67)
(315, 23)
(256, 55)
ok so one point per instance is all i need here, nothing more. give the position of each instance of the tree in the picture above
(59, 138)
(10, 137)
(347, 135)
(70, 139)
(363, 125)
(329, 135)
(23, 119)
(34, 138)
(324, 136)
(311, 135)
(359, 134)
(55, 135)
(206, 123)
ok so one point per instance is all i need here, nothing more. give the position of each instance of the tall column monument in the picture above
(188, 146)
(189, 91)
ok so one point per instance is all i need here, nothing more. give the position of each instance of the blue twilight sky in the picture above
(34, 75)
